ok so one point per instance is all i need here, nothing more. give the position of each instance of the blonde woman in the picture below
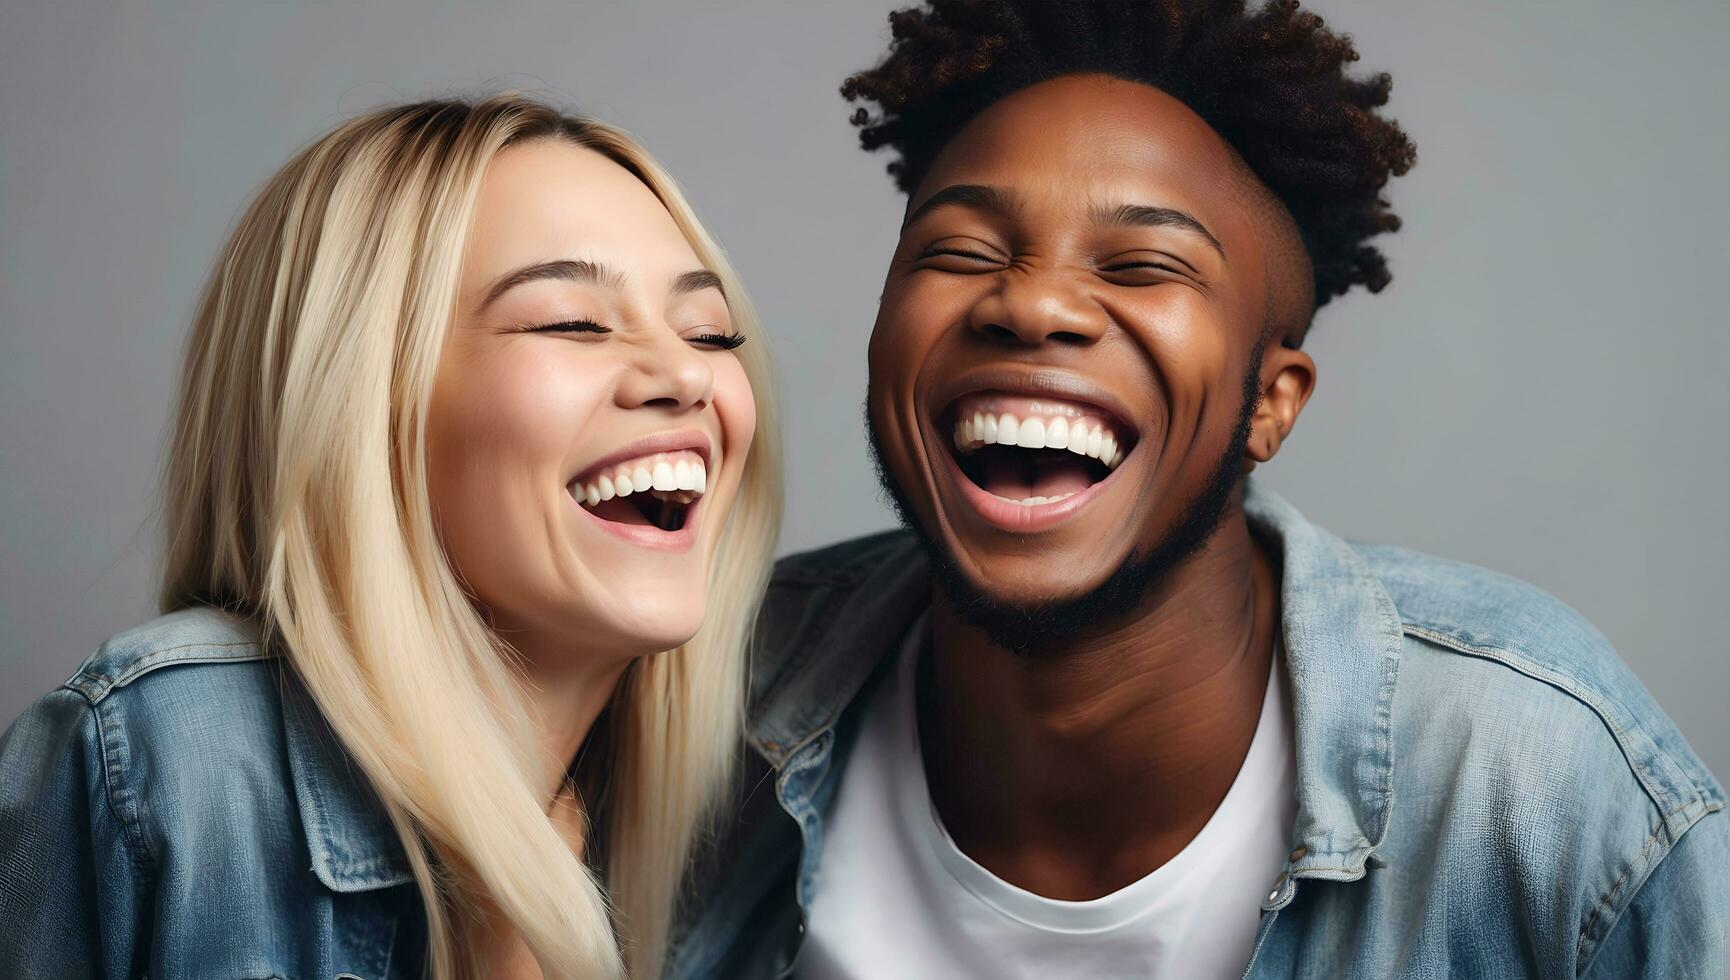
(471, 497)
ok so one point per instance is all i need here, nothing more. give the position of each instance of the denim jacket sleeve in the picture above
(1678, 924)
(69, 889)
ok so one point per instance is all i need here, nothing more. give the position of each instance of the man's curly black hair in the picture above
(1270, 79)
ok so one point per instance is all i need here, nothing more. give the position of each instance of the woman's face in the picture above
(589, 422)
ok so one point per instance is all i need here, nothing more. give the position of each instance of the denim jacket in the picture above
(178, 808)
(1483, 788)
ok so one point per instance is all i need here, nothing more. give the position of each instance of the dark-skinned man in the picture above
(1107, 707)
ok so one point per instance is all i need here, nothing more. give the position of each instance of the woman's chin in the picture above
(643, 628)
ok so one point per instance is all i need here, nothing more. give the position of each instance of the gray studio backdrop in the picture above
(1539, 391)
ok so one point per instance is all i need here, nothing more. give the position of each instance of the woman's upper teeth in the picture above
(680, 476)
(1084, 436)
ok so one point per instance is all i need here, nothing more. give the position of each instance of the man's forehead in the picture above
(1084, 129)
(1086, 141)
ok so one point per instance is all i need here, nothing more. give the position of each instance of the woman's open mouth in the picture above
(649, 499)
(1028, 462)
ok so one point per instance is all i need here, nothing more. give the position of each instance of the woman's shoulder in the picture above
(183, 760)
(185, 719)
(190, 636)
(199, 737)
(188, 704)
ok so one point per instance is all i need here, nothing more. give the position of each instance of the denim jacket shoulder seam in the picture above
(97, 686)
(1514, 660)
(1586, 947)
(137, 842)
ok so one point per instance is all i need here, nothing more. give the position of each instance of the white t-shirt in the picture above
(896, 897)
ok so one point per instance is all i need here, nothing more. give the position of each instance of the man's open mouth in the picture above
(1035, 451)
(657, 490)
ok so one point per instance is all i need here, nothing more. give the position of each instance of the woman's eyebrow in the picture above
(1152, 216)
(696, 281)
(577, 270)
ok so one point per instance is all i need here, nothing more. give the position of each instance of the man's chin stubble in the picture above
(1036, 629)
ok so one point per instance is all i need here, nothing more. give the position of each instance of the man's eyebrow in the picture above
(579, 270)
(984, 197)
(1149, 216)
(696, 281)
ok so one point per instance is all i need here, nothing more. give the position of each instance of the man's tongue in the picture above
(1019, 475)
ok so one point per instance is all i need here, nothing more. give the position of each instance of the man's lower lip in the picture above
(1020, 518)
(648, 535)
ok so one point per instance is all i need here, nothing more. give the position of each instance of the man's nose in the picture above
(1030, 309)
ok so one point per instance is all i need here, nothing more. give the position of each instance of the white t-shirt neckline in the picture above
(1133, 901)
(895, 898)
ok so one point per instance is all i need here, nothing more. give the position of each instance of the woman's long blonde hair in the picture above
(297, 494)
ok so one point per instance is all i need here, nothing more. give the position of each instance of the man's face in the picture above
(1068, 332)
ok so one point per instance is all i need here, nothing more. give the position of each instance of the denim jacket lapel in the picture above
(354, 847)
(1342, 640)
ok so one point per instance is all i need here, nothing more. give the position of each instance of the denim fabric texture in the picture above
(1484, 789)
(180, 809)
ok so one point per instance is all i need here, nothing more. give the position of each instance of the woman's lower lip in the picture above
(648, 535)
(1019, 518)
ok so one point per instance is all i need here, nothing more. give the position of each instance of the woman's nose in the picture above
(666, 372)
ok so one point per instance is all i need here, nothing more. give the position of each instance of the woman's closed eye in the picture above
(712, 337)
(718, 339)
(582, 325)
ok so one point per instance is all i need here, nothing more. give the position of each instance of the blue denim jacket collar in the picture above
(354, 848)
(1342, 638)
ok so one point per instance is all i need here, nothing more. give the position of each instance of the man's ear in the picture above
(1288, 375)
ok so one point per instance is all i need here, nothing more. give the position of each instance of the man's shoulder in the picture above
(1513, 671)
(1516, 730)
(843, 563)
(1467, 605)
(809, 588)
(829, 617)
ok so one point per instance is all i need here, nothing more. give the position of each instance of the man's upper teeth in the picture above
(1083, 436)
(679, 476)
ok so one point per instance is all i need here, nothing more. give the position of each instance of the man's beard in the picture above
(1043, 626)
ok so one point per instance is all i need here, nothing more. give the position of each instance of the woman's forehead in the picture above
(550, 198)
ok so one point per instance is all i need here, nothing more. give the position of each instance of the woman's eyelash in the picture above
(720, 341)
(570, 326)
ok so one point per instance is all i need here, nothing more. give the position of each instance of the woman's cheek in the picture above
(737, 406)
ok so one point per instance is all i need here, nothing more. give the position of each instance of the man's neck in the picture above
(1075, 771)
